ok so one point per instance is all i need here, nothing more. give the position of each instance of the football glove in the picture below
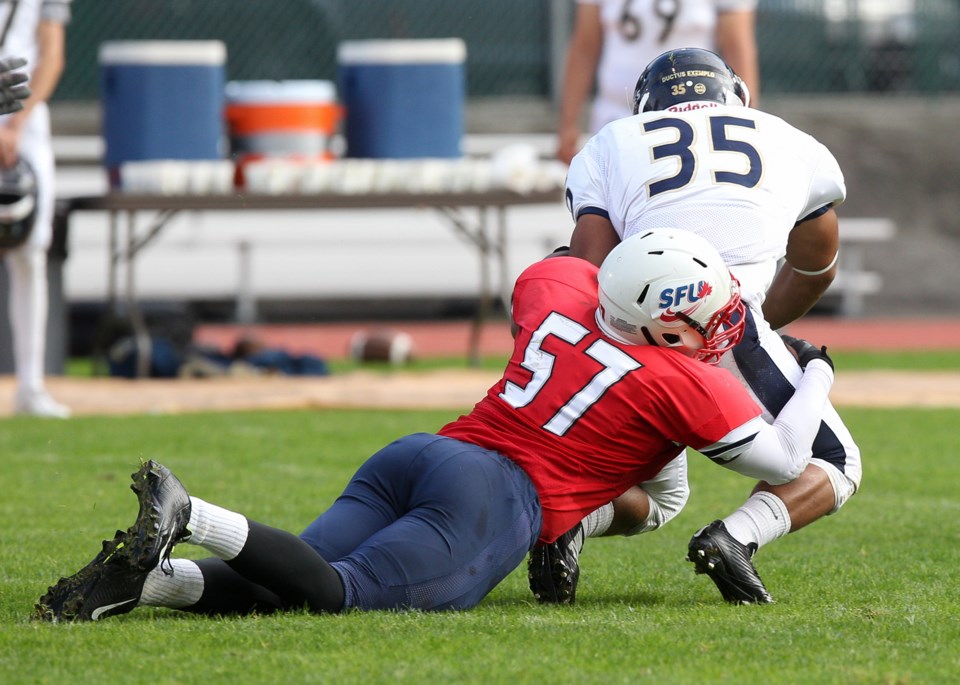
(12, 90)
(806, 351)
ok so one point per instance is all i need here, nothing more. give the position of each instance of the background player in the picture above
(33, 29)
(611, 37)
(436, 521)
(696, 156)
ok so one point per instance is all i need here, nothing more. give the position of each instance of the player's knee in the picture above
(665, 504)
(845, 484)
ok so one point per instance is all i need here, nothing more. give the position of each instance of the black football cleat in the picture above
(112, 583)
(108, 586)
(553, 570)
(164, 511)
(64, 600)
(718, 554)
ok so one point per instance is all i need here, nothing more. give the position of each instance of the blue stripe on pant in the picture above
(428, 523)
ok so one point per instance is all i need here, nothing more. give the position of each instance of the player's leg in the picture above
(464, 519)
(414, 528)
(370, 502)
(770, 372)
(553, 570)
(135, 567)
(28, 304)
(27, 267)
(208, 586)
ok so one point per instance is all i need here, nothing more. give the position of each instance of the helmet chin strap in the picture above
(744, 91)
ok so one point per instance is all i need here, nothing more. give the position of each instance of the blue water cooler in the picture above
(403, 98)
(162, 100)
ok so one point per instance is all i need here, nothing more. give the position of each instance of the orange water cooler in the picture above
(295, 120)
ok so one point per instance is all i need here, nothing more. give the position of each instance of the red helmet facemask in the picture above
(725, 328)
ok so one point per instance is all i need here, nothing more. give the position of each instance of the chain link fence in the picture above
(515, 47)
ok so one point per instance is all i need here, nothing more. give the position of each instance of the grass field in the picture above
(868, 596)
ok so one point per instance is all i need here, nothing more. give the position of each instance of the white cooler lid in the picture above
(434, 51)
(260, 92)
(167, 52)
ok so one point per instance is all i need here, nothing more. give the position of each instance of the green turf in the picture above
(912, 360)
(868, 596)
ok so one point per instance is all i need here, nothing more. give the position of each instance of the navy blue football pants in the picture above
(428, 523)
(762, 363)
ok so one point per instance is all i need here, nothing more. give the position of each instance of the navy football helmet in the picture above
(688, 75)
(18, 204)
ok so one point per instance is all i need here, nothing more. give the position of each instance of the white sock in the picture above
(763, 518)
(597, 522)
(220, 531)
(180, 589)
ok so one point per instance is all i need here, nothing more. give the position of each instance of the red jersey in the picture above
(588, 417)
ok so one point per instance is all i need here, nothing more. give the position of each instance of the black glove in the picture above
(805, 351)
(12, 90)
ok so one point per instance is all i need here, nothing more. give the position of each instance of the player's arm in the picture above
(737, 43)
(43, 81)
(49, 66)
(779, 452)
(593, 238)
(811, 266)
(12, 88)
(583, 55)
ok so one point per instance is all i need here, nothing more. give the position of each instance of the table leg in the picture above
(483, 305)
(141, 334)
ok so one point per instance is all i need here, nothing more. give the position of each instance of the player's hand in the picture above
(12, 90)
(806, 352)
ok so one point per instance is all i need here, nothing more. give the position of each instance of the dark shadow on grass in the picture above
(586, 600)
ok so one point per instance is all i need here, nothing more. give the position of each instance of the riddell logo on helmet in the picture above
(691, 106)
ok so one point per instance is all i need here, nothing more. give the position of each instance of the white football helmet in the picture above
(670, 288)
(18, 204)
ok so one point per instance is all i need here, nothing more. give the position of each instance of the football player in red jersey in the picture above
(612, 375)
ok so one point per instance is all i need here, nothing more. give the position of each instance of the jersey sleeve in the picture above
(827, 186)
(56, 11)
(736, 5)
(586, 180)
(701, 405)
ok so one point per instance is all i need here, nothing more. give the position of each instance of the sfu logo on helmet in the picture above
(671, 298)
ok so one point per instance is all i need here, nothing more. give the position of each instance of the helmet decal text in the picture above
(672, 298)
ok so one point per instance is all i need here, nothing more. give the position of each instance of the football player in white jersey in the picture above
(696, 156)
(612, 37)
(33, 30)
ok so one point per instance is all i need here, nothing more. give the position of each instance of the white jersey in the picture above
(739, 177)
(636, 31)
(19, 22)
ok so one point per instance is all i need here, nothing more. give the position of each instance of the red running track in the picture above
(451, 338)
